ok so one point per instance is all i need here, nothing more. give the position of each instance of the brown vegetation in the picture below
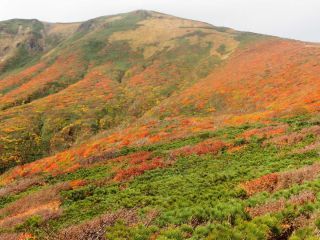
(293, 138)
(311, 147)
(44, 203)
(20, 186)
(95, 229)
(275, 181)
(276, 206)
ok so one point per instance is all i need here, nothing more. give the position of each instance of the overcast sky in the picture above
(297, 19)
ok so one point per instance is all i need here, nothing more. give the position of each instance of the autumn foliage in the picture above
(276, 206)
(206, 147)
(136, 164)
(16, 236)
(45, 203)
(266, 132)
(295, 137)
(275, 181)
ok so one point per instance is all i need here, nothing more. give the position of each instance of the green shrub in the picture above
(30, 225)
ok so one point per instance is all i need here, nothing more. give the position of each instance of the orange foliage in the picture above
(201, 148)
(61, 163)
(236, 148)
(64, 66)
(135, 164)
(70, 160)
(138, 158)
(293, 138)
(265, 132)
(19, 78)
(77, 183)
(138, 169)
(278, 77)
(26, 236)
(275, 181)
(264, 183)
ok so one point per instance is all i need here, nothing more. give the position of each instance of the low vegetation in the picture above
(138, 195)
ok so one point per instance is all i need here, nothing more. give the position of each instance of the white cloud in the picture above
(298, 19)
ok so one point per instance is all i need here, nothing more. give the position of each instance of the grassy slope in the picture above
(125, 93)
(196, 194)
(111, 80)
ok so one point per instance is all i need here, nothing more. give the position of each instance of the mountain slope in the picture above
(122, 114)
(269, 78)
(24, 41)
(137, 73)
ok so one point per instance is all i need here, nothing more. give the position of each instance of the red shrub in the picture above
(265, 132)
(136, 170)
(137, 158)
(275, 181)
(201, 148)
(264, 183)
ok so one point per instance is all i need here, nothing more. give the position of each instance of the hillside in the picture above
(147, 126)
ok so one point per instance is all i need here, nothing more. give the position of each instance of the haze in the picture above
(295, 19)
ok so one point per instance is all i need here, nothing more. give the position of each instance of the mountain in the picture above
(143, 125)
